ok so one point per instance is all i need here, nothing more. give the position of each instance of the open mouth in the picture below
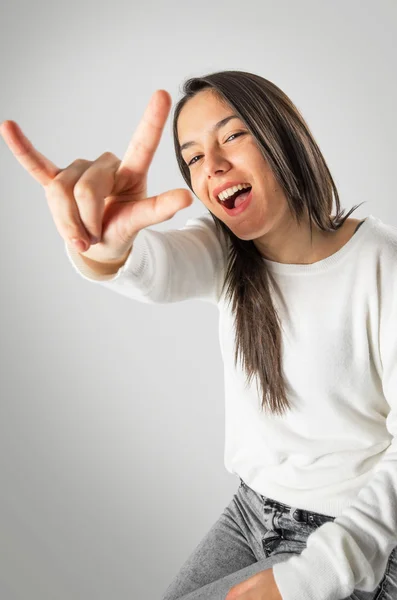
(231, 201)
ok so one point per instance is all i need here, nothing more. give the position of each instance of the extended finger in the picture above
(36, 164)
(146, 137)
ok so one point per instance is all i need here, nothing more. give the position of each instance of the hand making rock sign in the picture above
(105, 198)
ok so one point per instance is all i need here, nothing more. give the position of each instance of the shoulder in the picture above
(381, 235)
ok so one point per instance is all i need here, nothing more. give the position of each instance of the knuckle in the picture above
(56, 187)
(84, 191)
(80, 162)
(108, 154)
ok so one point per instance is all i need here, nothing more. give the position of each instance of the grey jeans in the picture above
(252, 534)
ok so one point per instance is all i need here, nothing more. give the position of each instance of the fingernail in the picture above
(80, 244)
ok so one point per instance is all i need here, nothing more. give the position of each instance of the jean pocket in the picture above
(289, 546)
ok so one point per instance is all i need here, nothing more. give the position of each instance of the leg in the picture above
(218, 589)
(229, 553)
(246, 540)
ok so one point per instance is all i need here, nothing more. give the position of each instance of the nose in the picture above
(215, 163)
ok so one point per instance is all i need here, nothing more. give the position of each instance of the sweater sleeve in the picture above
(168, 266)
(352, 552)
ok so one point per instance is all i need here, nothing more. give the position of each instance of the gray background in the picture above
(112, 411)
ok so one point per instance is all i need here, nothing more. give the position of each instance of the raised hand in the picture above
(105, 198)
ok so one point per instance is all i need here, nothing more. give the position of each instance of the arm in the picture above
(164, 266)
(353, 552)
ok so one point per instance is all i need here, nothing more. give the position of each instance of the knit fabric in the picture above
(335, 451)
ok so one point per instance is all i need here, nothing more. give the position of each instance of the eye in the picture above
(198, 155)
(235, 135)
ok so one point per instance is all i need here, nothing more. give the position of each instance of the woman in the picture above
(306, 302)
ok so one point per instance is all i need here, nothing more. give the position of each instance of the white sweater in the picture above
(335, 452)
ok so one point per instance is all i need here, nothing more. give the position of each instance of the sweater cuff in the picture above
(134, 264)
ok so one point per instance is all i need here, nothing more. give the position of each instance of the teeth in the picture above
(230, 191)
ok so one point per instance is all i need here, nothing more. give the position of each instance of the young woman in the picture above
(306, 302)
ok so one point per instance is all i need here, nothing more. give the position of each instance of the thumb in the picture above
(157, 209)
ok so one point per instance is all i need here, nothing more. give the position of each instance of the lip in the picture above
(234, 212)
(226, 185)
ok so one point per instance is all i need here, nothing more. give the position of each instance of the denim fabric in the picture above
(253, 534)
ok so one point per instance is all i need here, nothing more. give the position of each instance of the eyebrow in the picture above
(216, 127)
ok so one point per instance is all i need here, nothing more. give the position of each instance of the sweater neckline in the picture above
(324, 264)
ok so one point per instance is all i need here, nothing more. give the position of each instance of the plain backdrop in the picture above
(112, 411)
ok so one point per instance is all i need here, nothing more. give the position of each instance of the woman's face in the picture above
(215, 158)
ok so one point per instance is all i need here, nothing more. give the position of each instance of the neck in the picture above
(292, 243)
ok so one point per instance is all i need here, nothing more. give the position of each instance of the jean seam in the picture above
(382, 590)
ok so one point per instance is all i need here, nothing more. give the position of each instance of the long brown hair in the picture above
(299, 167)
